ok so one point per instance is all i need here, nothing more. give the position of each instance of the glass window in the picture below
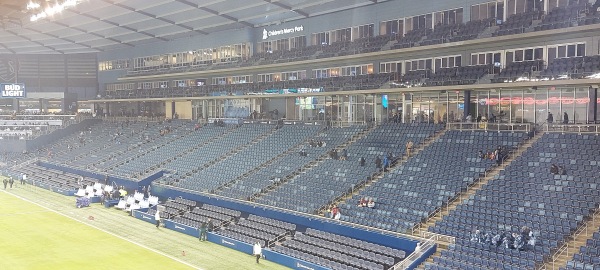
(581, 49)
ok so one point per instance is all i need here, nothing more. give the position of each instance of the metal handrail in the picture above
(490, 126)
(427, 245)
(567, 246)
(573, 128)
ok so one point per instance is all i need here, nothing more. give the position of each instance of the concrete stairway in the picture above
(316, 162)
(379, 175)
(423, 229)
(438, 252)
(572, 245)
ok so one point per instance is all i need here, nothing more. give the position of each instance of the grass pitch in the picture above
(35, 237)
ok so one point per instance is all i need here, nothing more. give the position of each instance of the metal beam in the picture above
(117, 25)
(286, 7)
(92, 33)
(7, 48)
(214, 12)
(154, 17)
(36, 42)
(64, 39)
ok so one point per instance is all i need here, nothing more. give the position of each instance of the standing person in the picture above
(203, 227)
(11, 181)
(257, 251)
(409, 147)
(5, 182)
(378, 162)
(210, 225)
(157, 218)
(23, 179)
(362, 161)
(550, 118)
(565, 118)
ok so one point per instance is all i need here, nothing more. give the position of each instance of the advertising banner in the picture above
(12, 90)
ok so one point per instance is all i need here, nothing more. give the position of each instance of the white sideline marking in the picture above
(118, 236)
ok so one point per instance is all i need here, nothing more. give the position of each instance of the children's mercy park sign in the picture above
(11, 90)
(268, 34)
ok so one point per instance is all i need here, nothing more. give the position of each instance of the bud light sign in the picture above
(11, 90)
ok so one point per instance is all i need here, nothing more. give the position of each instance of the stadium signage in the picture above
(146, 217)
(11, 90)
(223, 241)
(179, 228)
(270, 33)
(301, 266)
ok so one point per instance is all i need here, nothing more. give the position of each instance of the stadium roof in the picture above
(100, 25)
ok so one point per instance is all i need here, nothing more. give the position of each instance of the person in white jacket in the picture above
(157, 218)
(257, 251)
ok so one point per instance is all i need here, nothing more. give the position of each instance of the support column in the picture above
(467, 103)
(593, 107)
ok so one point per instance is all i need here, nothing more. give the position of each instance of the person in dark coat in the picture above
(362, 161)
(378, 162)
(565, 118)
(203, 228)
(550, 118)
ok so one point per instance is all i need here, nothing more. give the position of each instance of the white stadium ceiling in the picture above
(100, 25)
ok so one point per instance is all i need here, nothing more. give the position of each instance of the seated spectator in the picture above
(378, 162)
(562, 170)
(362, 161)
(480, 154)
(371, 203)
(362, 202)
(321, 144)
(197, 126)
(508, 241)
(496, 239)
(519, 242)
(303, 153)
(553, 169)
(335, 212)
(312, 143)
(344, 154)
(532, 239)
(476, 236)
(334, 154)
(488, 238)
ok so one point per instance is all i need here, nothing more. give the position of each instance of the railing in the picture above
(573, 128)
(425, 247)
(568, 249)
(133, 118)
(490, 126)
(439, 237)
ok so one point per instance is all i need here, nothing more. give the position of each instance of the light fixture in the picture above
(50, 10)
(32, 5)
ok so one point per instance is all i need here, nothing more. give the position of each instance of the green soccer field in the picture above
(36, 237)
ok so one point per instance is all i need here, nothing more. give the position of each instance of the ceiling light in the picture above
(52, 10)
(32, 5)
